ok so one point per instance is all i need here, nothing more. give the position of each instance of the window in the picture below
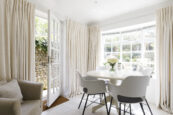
(132, 48)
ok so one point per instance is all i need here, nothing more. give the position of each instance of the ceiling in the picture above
(87, 11)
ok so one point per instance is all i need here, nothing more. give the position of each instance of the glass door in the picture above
(54, 51)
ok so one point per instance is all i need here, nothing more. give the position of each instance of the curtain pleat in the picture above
(94, 47)
(76, 55)
(17, 40)
(165, 57)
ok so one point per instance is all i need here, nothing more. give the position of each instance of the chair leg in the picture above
(130, 109)
(142, 108)
(85, 105)
(106, 104)
(119, 108)
(124, 108)
(81, 100)
(110, 105)
(149, 107)
(100, 98)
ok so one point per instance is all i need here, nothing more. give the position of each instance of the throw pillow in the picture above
(11, 90)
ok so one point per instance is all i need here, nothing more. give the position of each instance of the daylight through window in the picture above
(133, 48)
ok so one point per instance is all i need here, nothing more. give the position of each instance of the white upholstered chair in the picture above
(90, 87)
(132, 90)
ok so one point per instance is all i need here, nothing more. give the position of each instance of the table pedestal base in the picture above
(108, 98)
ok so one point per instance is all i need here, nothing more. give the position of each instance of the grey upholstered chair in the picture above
(132, 90)
(91, 86)
(32, 101)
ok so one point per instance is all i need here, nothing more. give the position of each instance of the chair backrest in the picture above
(134, 86)
(91, 85)
(81, 80)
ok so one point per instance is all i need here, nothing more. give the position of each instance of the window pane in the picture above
(132, 36)
(149, 34)
(151, 66)
(149, 57)
(136, 57)
(126, 47)
(116, 55)
(108, 39)
(126, 66)
(149, 46)
(116, 38)
(107, 47)
(126, 57)
(106, 55)
(136, 47)
(134, 66)
(116, 48)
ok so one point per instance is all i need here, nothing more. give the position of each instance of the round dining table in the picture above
(113, 77)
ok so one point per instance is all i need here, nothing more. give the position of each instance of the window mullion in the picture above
(143, 46)
(121, 39)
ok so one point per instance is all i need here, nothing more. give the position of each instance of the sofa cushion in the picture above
(9, 106)
(11, 90)
(32, 107)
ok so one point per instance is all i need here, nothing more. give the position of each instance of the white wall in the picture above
(132, 18)
(45, 7)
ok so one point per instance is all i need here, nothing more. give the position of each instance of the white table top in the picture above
(118, 75)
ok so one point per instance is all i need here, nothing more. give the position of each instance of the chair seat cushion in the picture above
(129, 99)
(11, 90)
(32, 107)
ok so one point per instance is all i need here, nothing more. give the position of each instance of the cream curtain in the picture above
(94, 47)
(165, 57)
(16, 40)
(77, 55)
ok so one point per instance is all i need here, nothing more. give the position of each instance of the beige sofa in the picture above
(31, 104)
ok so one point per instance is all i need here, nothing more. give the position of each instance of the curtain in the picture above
(17, 40)
(76, 55)
(165, 57)
(94, 47)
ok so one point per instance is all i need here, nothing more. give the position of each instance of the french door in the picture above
(54, 56)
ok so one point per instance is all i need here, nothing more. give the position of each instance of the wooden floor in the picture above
(58, 101)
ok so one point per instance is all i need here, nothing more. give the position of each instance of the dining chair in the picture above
(132, 90)
(91, 87)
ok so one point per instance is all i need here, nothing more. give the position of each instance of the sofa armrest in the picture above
(10, 106)
(31, 90)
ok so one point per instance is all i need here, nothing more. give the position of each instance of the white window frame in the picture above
(121, 42)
